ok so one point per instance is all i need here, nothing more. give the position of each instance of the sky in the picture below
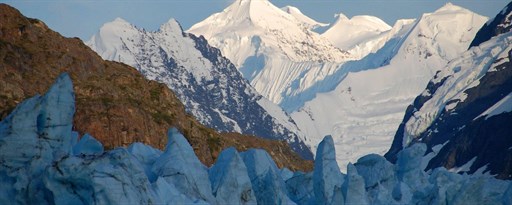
(83, 18)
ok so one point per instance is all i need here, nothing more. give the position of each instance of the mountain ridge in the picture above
(275, 52)
(207, 83)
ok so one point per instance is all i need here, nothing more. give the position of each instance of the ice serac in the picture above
(44, 170)
(275, 51)
(300, 188)
(179, 166)
(359, 35)
(207, 83)
(114, 177)
(34, 135)
(230, 181)
(369, 94)
(465, 111)
(88, 146)
(327, 178)
(168, 194)
(147, 156)
(267, 184)
(413, 180)
(379, 178)
(354, 188)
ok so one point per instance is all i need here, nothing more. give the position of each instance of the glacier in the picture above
(43, 162)
(369, 97)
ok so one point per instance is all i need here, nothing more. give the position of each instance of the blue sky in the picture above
(82, 18)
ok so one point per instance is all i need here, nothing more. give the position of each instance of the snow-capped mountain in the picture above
(274, 50)
(208, 84)
(364, 109)
(309, 22)
(464, 114)
(44, 162)
(359, 35)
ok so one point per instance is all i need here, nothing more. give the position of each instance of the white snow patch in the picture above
(464, 168)
(502, 106)
(435, 150)
(229, 120)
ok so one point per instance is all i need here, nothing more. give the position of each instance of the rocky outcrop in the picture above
(502, 23)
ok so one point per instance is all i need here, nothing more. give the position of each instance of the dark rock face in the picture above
(238, 103)
(486, 139)
(114, 102)
(500, 24)
(466, 134)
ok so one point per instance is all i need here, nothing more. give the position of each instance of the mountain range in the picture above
(208, 84)
(240, 120)
(279, 54)
(359, 96)
(355, 87)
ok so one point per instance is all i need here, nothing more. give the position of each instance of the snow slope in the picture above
(359, 35)
(207, 83)
(364, 110)
(274, 50)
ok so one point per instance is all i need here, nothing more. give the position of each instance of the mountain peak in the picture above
(171, 26)
(355, 30)
(340, 17)
(120, 20)
(253, 10)
(116, 24)
(249, 1)
(449, 7)
(247, 14)
(291, 9)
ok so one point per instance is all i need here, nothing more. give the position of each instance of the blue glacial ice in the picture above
(42, 161)
(230, 182)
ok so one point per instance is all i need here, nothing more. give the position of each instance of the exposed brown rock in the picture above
(115, 103)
